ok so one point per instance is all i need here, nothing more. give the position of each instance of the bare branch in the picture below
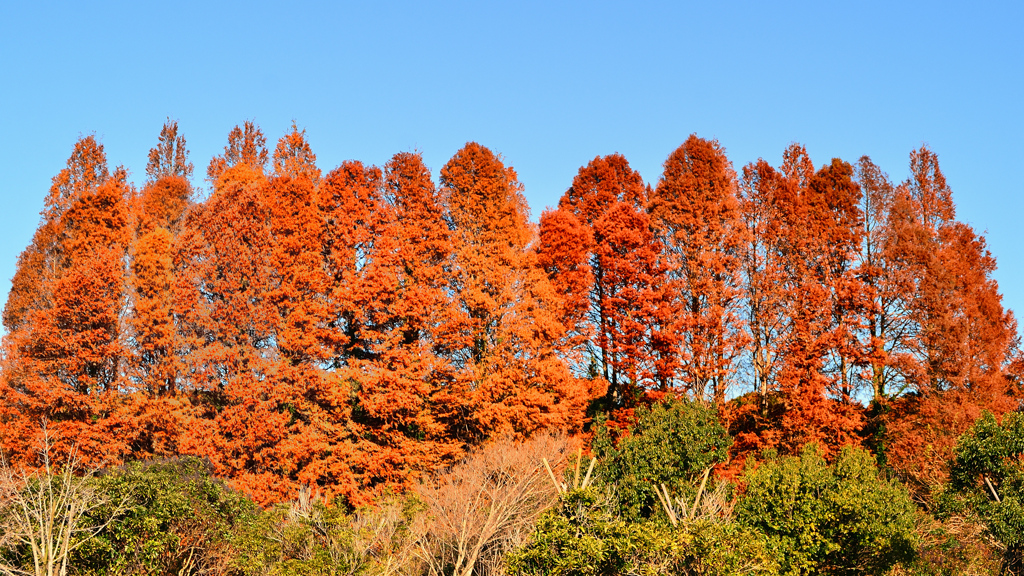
(50, 512)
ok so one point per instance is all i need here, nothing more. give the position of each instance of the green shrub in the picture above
(987, 479)
(583, 537)
(819, 519)
(671, 443)
(180, 520)
(953, 545)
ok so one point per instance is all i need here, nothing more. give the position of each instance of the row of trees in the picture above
(355, 329)
(344, 330)
(788, 297)
(813, 289)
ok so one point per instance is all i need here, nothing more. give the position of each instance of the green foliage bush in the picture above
(581, 537)
(619, 527)
(953, 545)
(180, 520)
(672, 442)
(987, 479)
(819, 519)
(584, 537)
(796, 516)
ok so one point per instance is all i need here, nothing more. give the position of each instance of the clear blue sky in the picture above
(548, 85)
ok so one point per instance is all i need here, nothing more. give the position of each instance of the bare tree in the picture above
(487, 504)
(49, 512)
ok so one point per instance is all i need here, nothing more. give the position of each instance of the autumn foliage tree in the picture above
(514, 379)
(824, 354)
(356, 329)
(64, 354)
(349, 201)
(958, 340)
(227, 320)
(154, 371)
(563, 251)
(627, 289)
(696, 215)
(804, 303)
(598, 250)
(404, 386)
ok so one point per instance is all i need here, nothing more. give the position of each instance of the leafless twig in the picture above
(50, 512)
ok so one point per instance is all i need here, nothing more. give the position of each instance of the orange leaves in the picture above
(954, 343)
(628, 284)
(601, 183)
(563, 251)
(294, 158)
(414, 326)
(697, 186)
(587, 247)
(695, 214)
(804, 301)
(486, 200)
(162, 203)
(357, 329)
(510, 328)
(86, 169)
(928, 190)
(348, 200)
(64, 354)
(246, 147)
(169, 158)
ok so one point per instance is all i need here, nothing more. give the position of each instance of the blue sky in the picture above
(549, 85)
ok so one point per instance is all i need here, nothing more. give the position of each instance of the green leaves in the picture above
(180, 519)
(842, 519)
(580, 537)
(583, 537)
(671, 443)
(987, 476)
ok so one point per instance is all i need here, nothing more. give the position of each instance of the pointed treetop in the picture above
(601, 183)
(797, 165)
(169, 157)
(928, 188)
(294, 158)
(246, 146)
(407, 177)
(878, 191)
(86, 168)
(698, 183)
(486, 196)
